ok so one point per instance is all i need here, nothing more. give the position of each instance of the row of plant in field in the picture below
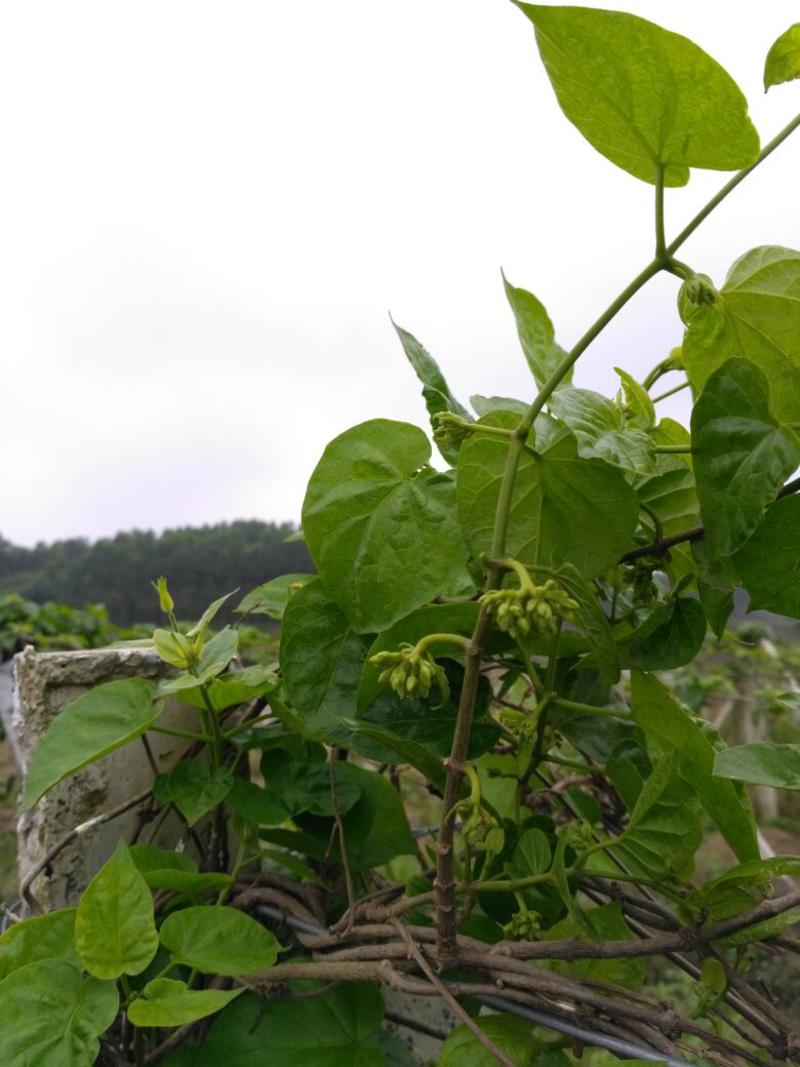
(443, 787)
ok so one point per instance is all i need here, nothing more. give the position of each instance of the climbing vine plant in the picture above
(476, 658)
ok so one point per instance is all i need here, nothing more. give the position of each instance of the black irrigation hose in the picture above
(617, 1045)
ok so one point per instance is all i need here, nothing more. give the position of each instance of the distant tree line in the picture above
(201, 564)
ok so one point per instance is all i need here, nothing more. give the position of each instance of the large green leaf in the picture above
(334, 1029)
(44, 937)
(761, 764)
(672, 497)
(532, 855)
(272, 597)
(642, 96)
(600, 430)
(605, 923)
(664, 831)
(564, 509)
(536, 334)
(51, 1016)
(304, 785)
(376, 827)
(193, 788)
(163, 869)
(592, 621)
(742, 454)
(756, 315)
(103, 719)
(166, 1002)
(769, 564)
(783, 59)
(435, 389)
(115, 932)
(670, 729)
(513, 1036)
(671, 636)
(218, 940)
(321, 658)
(372, 488)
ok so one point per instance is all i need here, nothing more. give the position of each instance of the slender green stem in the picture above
(246, 725)
(658, 529)
(576, 352)
(441, 639)
(673, 450)
(729, 186)
(671, 392)
(181, 733)
(661, 241)
(588, 709)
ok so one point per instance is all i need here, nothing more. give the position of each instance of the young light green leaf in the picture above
(51, 1016)
(767, 565)
(99, 721)
(217, 653)
(647, 99)
(165, 1002)
(435, 390)
(272, 597)
(115, 932)
(536, 335)
(599, 427)
(633, 399)
(236, 687)
(761, 764)
(44, 937)
(193, 788)
(206, 618)
(742, 454)
(756, 315)
(334, 1029)
(372, 488)
(557, 497)
(671, 730)
(515, 1037)
(321, 658)
(783, 59)
(218, 940)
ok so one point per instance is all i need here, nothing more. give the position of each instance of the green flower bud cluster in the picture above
(523, 727)
(449, 429)
(480, 829)
(645, 590)
(523, 926)
(531, 610)
(411, 672)
(697, 291)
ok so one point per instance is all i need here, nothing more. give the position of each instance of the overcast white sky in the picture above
(208, 208)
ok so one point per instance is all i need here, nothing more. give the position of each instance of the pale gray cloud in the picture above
(208, 208)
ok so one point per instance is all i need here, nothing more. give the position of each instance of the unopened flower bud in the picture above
(165, 601)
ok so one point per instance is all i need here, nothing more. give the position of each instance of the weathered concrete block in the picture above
(44, 683)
